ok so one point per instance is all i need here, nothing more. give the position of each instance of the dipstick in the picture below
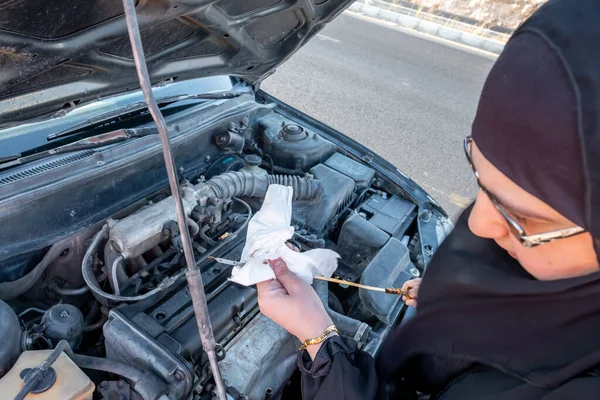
(396, 291)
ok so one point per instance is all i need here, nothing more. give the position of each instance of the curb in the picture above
(430, 28)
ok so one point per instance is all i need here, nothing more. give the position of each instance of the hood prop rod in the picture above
(193, 275)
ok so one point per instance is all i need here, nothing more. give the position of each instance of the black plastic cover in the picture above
(360, 173)
(63, 322)
(358, 240)
(390, 269)
(390, 213)
(336, 191)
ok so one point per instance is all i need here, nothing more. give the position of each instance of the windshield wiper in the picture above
(141, 105)
(91, 142)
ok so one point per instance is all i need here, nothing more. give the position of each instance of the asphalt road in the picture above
(408, 97)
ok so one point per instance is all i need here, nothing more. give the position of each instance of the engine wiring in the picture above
(90, 279)
(114, 272)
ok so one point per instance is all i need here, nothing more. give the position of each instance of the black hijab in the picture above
(538, 119)
(539, 123)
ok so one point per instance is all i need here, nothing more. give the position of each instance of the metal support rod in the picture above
(193, 275)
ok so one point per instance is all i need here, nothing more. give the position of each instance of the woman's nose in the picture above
(485, 220)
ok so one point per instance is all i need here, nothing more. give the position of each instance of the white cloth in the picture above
(268, 231)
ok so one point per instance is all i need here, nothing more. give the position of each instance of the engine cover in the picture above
(167, 327)
(171, 320)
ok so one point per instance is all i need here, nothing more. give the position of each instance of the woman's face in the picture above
(562, 258)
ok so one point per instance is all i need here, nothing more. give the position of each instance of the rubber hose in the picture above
(71, 292)
(11, 290)
(280, 170)
(114, 272)
(92, 282)
(92, 314)
(110, 256)
(347, 326)
(148, 385)
(244, 184)
(288, 171)
(304, 188)
(103, 364)
(95, 325)
(318, 243)
(193, 226)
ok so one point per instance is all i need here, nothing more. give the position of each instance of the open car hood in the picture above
(57, 54)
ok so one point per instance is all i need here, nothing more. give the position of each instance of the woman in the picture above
(509, 307)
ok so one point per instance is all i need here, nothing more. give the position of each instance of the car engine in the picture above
(94, 257)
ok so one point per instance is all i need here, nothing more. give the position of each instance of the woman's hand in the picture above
(413, 291)
(293, 304)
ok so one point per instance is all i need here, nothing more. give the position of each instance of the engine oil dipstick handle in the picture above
(395, 291)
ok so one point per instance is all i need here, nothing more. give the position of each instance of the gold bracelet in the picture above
(320, 338)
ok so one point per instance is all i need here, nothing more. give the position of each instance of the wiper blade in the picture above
(141, 105)
(229, 94)
(98, 118)
(91, 142)
(9, 158)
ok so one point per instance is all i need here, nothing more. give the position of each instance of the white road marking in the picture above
(323, 37)
(455, 198)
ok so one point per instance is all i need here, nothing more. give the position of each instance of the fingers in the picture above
(269, 286)
(279, 267)
(411, 303)
(412, 287)
(411, 284)
(292, 247)
(288, 279)
(413, 293)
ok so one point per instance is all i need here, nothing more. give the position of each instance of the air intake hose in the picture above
(244, 184)
(141, 231)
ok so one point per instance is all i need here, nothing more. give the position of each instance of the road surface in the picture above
(409, 97)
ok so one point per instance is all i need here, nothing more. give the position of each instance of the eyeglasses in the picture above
(515, 227)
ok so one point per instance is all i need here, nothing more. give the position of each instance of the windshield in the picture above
(31, 135)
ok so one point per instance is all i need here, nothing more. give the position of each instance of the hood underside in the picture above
(56, 54)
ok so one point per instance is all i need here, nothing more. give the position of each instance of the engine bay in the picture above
(94, 256)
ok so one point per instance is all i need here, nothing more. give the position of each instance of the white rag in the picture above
(268, 231)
